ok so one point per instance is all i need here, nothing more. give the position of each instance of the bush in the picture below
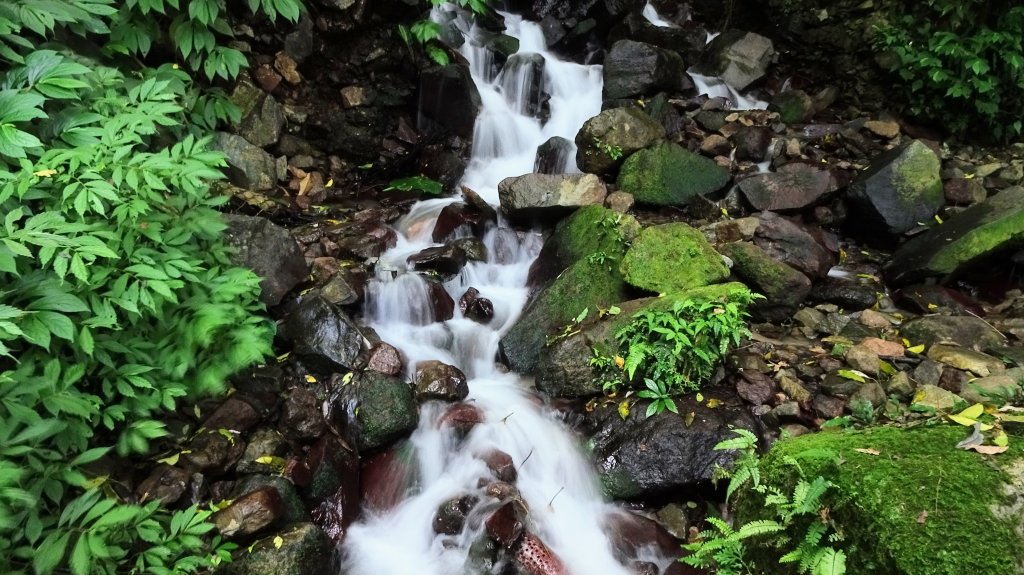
(117, 298)
(962, 62)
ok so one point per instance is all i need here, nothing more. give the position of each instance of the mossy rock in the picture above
(589, 231)
(784, 288)
(623, 129)
(919, 507)
(303, 549)
(668, 175)
(991, 227)
(671, 258)
(584, 285)
(386, 409)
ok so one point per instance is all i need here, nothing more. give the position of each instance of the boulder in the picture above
(374, 409)
(548, 196)
(610, 136)
(900, 189)
(966, 331)
(447, 259)
(784, 288)
(638, 69)
(449, 98)
(270, 251)
(978, 363)
(752, 143)
(362, 240)
(248, 514)
(793, 106)
(793, 187)
(671, 258)
(668, 175)
(791, 244)
(522, 83)
(737, 57)
(646, 457)
(983, 230)
(385, 358)
(476, 308)
(324, 336)
(440, 381)
(302, 549)
(249, 166)
(262, 120)
(553, 156)
(589, 230)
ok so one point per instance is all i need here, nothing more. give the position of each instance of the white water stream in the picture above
(555, 480)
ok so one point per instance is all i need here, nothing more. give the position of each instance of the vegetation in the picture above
(117, 299)
(962, 62)
(426, 33)
(793, 523)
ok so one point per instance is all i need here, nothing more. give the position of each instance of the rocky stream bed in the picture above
(889, 261)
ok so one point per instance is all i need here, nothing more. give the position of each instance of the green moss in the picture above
(667, 175)
(670, 258)
(917, 175)
(919, 507)
(594, 229)
(387, 409)
(781, 284)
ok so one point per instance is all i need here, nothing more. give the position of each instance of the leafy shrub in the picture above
(962, 62)
(683, 345)
(117, 298)
(799, 519)
(426, 33)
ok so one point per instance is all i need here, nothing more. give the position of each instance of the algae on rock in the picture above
(671, 258)
(668, 175)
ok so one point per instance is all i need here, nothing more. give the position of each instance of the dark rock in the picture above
(292, 507)
(446, 259)
(667, 175)
(964, 192)
(953, 379)
(299, 43)
(552, 156)
(474, 248)
(249, 513)
(783, 287)
(262, 118)
(461, 417)
(632, 534)
(793, 106)
(301, 415)
(965, 331)
(270, 251)
(502, 466)
(440, 381)
(755, 387)
(505, 526)
(846, 294)
(991, 227)
(362, 240)
(753, 143)
(671, 258)
(303, 549)
(375, 409)
(214, 451)
(523, 83)
(548, 197)
(828, 407)
(476, 308)
(454, 216)
(387, 477)
(165, 484)
(324, 336)
(249, 167)
(642, 457)
(334, 485)
(737, 57)
(451, 515)
(619, 130)
(930, 298)
(263, 443)
(793, 186)
(638, 69)
(385, 358)
(793, 245)
(442, 306)
(344, 288)
(449, 98)
(899, 189)
(234, 414)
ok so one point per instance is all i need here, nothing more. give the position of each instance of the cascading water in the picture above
(555, 481)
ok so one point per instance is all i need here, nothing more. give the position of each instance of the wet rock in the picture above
(362, 240)
(967, 359)
(755, 387)
(502, 466)
(994, 389)
(523, 83)
(442, 306)
(965, 331)
(638, 69)
(324, 336)
(793, 106)
(505, 526)
(547, 197)
(334, 485)
(640, 457)
(440, 381)
(752, 143)
(214, 451)
(783, 287)
(791, 244)
(462, 417)
(165, 484)
(574, 239)
(449, 98)
(270, 251)
(451, 515)
(453, 217)
(534, 557)
(844, 293)
(899, 189)
(670, 258)
(667, 175)
(385, 358)
(475, 249)
(262, 119)
(342, 289)
(375, 409)
(737, 57)
(792, 187)
(303, 549)
(249, 167)
(476, 308)
(387, 477)
(934, 398)
(301, 415)
(234, 414)
(552, 156)
(447, 259)
(632, 534)
(828, 407)
(619, 130)
(988, 228)
(249, 513)
(263, 443)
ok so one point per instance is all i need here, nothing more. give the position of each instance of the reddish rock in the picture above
(442, 304)
(267, 78)
(533, 557)
(385, 358)
(249, 513)
(166, 484)
(440, 381)
(828, 407)
(502, 466)
(882, 347)
(454, 216)
(505, 525)
(446, 259)
(385, 479)
(233, 414)
(462, 417)
(631, 532)
(476, 308)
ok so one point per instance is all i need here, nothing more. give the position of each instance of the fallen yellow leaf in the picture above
(989, 449)
(973, 412)
(278, 542)
(867, 450)
(916, 349)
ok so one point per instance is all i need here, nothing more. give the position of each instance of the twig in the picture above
(527, 459)
(986, 322)
(560, 490)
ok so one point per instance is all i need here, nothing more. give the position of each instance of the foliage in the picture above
(800, 518)
(660, 397)
(683, 345)
(613, 152)
(117, 298)
(417, 184)
(962, 62)
(426, 33)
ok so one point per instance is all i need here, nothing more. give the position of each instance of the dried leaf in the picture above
(867, 450)
(989, 449)
(922, 517)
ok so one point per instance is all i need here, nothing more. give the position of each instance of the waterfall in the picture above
(555, 480)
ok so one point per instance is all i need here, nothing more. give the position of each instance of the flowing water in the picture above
(566, 511)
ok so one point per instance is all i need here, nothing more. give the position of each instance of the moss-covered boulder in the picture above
(671, 258)
(784, 288)
(668, 175)
(983, 230)
(374, 409)
(606, 138)
(303, 549)
(899, 189)
(590, 231)
(909, 502)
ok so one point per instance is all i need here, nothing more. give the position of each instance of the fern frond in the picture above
(831, 562)
(759, 527)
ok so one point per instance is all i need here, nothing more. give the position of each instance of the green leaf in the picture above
(81, 558)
